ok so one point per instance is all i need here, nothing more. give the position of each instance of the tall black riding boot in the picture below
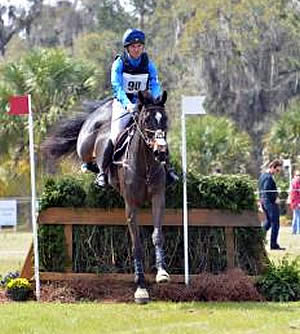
(101, 179)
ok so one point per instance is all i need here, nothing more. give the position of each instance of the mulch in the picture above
(230, 286)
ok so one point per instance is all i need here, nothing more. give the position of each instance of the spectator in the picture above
(269, 201)
(295, 202)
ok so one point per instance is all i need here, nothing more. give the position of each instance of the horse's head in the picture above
(153, 122)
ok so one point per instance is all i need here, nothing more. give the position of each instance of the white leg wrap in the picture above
(162, 276)
(141, 296)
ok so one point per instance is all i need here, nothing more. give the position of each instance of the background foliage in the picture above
(243, 56)
(281, 282)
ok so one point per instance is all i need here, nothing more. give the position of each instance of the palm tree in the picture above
(213, 143)
(56, 83)
(283, 138)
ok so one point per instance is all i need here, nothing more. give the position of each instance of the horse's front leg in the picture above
(158, 210)
(141, 295)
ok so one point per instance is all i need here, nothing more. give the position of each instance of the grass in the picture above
(156, 317)
(166, 318)
(13, 250)
(287, 240)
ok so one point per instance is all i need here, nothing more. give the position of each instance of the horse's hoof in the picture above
(162, 276)
(141, 296)
(101, 180)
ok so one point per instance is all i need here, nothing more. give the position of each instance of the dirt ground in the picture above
(230, 286)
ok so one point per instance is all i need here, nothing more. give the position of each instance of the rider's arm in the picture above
(117, 82)
(154, 84)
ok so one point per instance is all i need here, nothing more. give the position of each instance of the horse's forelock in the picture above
(151, 111)
(147, 103)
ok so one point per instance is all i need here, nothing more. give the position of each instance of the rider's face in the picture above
(135, 50)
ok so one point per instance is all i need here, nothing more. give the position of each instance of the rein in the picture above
(141, 132)
(147, 141)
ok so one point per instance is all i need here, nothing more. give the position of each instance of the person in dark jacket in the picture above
(269, 201)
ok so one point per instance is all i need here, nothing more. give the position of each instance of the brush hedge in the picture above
(107, 249)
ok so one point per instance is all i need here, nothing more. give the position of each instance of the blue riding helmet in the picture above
(132, 36)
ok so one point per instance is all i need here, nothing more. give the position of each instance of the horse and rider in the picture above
(131, 72)
(139, 167)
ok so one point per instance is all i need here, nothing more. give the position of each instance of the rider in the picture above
(130, 73)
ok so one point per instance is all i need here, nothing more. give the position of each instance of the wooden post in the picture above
(27, 270)
(229, 239)
(68, 229)
(94, 216)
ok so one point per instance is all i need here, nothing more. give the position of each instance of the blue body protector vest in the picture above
(135, 78)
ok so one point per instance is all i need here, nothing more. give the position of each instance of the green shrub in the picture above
(52, 248)
(66, 192)
(281, 282)
(231, 192)
(104, 198)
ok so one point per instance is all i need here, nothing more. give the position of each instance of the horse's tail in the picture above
(63, 138)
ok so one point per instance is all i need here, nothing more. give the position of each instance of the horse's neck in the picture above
(139, 155)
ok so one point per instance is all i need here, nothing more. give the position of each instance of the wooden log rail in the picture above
(90, 216)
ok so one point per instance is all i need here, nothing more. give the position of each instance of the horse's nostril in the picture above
(162, 148)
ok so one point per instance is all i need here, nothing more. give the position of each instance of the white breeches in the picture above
(119, 120)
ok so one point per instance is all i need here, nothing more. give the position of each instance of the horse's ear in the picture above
(164, 97)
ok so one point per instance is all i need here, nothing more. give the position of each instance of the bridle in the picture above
(155, 139)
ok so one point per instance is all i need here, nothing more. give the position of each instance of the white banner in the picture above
(193, 105)
(8, 213)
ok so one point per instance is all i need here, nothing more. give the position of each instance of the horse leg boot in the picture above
(157, 239)
(101, 179)
(141, 295)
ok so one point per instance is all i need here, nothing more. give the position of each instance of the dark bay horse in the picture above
(138, 173)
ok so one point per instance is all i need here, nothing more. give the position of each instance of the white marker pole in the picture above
(192, 105)
(185, 208)
(33, 202)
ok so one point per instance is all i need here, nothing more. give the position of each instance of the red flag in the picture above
(18, 105)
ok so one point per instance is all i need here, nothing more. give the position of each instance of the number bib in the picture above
(135, 83)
